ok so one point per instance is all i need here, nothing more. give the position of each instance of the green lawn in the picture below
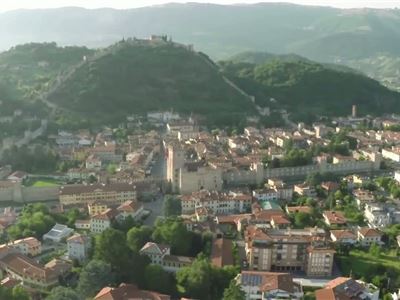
(45, 183)
(360, 262)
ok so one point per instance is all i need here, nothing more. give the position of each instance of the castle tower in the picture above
(354, 111)
(175, 161)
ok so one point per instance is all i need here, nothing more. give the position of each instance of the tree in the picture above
(203, 281)
(111, 247)
(137, 237)
(94, 276)
(19, 293)
(302, 220)
(63, 293)
(172, 206)
(157, 279)
(375, 250)
(174, 233)
(234, 292)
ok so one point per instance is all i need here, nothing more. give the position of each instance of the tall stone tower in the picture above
(175, 161)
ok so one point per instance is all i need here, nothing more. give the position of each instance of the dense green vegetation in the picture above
(306, 88)
(27, 70)
(36, 220)
(133, 77)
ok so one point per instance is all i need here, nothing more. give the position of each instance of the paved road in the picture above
(156, 209)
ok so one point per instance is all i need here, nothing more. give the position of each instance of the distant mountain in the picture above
(319, 33)
(307, 88)
(134, 77)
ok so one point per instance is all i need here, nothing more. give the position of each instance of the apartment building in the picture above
(80, 194)
(377, 215)
(305, 190)
(221, 203)
(267, 285)
(289, 250)
(367, 236)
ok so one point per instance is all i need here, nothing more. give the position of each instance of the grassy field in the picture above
(45, 183)
(361, 262)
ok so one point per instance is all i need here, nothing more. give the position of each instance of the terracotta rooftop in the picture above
(128, 292)
(368, 232)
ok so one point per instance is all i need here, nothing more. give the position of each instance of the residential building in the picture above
(78, 247)
(222, 253)
(305, 190)
(347, 288)
(58, 233)
(20, 267)
(29, 246)
(101, 222)
(392, 154)
(334, 218)
(267, 285)
(289, 250)
(93, 163)
(116, 193)
(131, 209)
(128, 291)
(160, 255)
(343, 237)
(219, 202)
(82, 224)
(377, 215)
(265, 194)
(363, 197)
(367, 236)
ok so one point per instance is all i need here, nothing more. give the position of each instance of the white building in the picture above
(160, 255)
(78, 247)
(376, 215)
(392, 154)
(29, 246)
(58, 232)
(367, 236)
(265, 194)
(101, 222)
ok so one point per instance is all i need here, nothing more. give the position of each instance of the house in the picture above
(267, 285)
(93, 163)
(343, 237)
(17, 176)
(367, 236)
(222, 253)
(78, 247)
(29, 246)
(128, 292)
(131, 209)
(58, 233)
(101, 222)
(330, 186)
(160, 255)
(334, 218)
(347, 288)
(363, 197)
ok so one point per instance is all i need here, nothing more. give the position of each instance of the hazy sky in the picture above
(15, 4)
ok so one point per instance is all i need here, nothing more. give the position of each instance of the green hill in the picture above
(308, 88)
(140, 76)
(27, 70)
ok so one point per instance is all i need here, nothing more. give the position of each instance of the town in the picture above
(163, 207)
